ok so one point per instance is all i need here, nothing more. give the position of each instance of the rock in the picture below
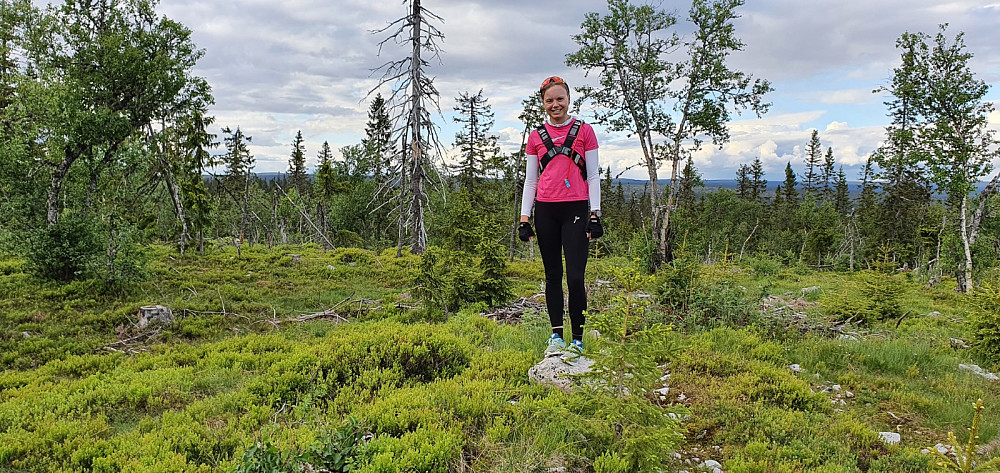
(296, 258)
(942, 448)
(848, 394)
(835, 387)
(925, 451)
(975, 369)
(331, 267)
(845, 336)
(155, 315)
(25, 335)
(664, 390)
(810, 290)
(958, 344)
(554, 370)
(795, 368)
(891, 438)
(711, 464)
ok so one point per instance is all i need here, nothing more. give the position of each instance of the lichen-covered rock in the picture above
(557, 369)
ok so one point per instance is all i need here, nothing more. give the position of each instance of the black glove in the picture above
(594, 227)
(524, 231)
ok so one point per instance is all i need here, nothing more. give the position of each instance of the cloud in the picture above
(278, 67)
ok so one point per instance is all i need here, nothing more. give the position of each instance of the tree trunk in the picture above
(965, 284)
(175, 196)
(418, 238)
(55, 186)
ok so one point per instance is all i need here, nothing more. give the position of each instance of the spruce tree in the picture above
(758, 184)
(477, 146)
(744, 185)
(841, 193)
(297, 165)
(828, 175)
(791, 196)
(814, 164)
(379, 147)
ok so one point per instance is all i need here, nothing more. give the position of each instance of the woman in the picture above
(562, 183)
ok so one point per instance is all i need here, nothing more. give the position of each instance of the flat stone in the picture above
(891, 438)
(975, 369)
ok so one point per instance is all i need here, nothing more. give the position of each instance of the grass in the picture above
(452, 395)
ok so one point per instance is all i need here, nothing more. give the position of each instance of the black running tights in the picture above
(562, 227)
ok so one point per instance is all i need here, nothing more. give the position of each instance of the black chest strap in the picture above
(566, 149)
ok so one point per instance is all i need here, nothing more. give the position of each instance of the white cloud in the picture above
(277, 67)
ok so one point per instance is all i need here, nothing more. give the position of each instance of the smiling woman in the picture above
(561, 182)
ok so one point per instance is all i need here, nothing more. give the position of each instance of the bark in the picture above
(965, 282)
(418, 242)
(175, 196)
(56, 184)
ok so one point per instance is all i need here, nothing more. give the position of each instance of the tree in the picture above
(477, 147)
(950, 126)
(326, 177)
(239, 163)
(828, 174)
(690, 179)
(841, 193)
(413, 96)
(814, 162)
(378, 143)
(81, 51)
(758, 184)
(789, 195)
(744, 186)
(297, 165)
(629, 51)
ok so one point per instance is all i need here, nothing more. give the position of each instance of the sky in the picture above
(277, 67)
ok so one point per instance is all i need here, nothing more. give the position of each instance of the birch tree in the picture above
(684, 102)
(413, 99)
(628, 49)
(950, 133)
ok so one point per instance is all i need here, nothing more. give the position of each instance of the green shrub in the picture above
(722, 304)
(70, 249)
(336, 451)
(265, 458)
(986, 321)
(876, 297)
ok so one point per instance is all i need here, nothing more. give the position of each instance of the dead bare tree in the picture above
(412, 99)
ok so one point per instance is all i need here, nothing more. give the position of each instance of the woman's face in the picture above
(556, 103)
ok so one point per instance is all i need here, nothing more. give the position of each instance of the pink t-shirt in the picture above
(552, 183)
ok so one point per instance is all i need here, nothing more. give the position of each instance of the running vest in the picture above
(566, 149)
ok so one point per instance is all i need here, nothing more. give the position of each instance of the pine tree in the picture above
(297, 165)
(814, 164)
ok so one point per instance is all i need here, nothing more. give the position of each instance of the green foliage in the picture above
(626, 363)
(961, 459)
(448, 279)
(336, 452)
(875, 297)
(70, 249)
(264, 458)
(986, 321)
